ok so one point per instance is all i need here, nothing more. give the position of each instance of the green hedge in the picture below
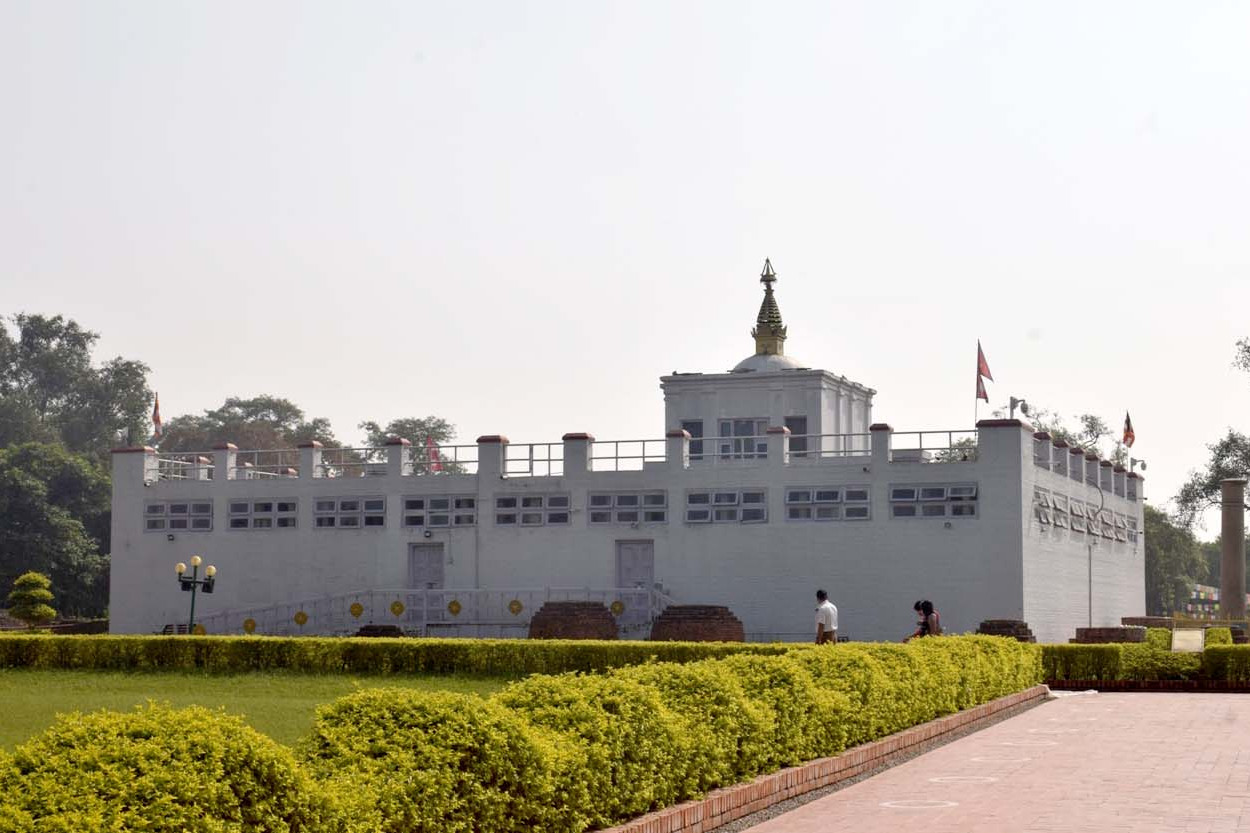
(1144, 662)
(1081, 662)
(1227, 662)
(561, 753)
(1159, 637)
(1218, 636)
(240, 654)
(157, 768)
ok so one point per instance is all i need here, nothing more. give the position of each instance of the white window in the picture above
(1059, 514)
(823, 503)
(933, 500)
(439, 511)
(532, 510)
(743, 439)
(629, 508)
(350, 512)
(694, 427)
(177, 516)
(1131, 529)
(724, 506)
(263, 514)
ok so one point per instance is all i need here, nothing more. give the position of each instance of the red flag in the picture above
(983, 367)
(981, 394)
(156, 416)
(431, 455)
(1129, 436)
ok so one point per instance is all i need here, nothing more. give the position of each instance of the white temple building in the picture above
(770, 480)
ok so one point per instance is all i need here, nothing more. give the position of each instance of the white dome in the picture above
(768, 363)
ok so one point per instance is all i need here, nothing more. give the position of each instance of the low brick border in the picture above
(1214, 686)
(720, 807)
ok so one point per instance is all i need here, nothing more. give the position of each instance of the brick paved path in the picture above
(1092, 762)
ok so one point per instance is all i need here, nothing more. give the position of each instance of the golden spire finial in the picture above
(769, 332)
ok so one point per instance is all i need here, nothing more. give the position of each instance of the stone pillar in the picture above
(677, 448)
(881, 437)
(398, 460)
(135, 465)
(309, 460)
(1233, 557)
(490, 455)
(778, 446)
(577, 447)
(225, 458)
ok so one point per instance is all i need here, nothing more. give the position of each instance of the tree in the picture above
(1090, 434)
(1230, 457)
(50, 391)
(28, 602)
(417, 430)
(261, 422)
(1174, 561)
(54, 511)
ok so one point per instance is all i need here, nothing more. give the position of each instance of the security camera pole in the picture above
(194, 583)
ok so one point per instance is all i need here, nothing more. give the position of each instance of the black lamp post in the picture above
(194, 583)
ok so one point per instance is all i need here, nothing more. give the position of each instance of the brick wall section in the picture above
(697, 623)
(1013, 628)
(1147, 621)
(1101, 636)
(573, 620)
(720, 807)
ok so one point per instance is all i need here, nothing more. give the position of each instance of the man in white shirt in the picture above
(826, 619)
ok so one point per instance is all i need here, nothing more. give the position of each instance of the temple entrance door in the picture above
(635, 576)
(425, 572)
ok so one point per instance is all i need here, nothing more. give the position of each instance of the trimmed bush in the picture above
(1159, 638)
(157, 768)
(1081, 662)
(629, 739)
(1147, 662)
(1227, 662)
(409, 761)
(322, 655)
(725, 735)
(1218, 636)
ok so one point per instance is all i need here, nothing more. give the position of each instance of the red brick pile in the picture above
(573, 620)
(1013, 628)
(697, 623)
(1099, 636)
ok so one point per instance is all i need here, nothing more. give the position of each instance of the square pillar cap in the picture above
(225, 447)
(1107, 463)
(310, 444)
(578, 435)
(1001, 423)
(134, 449)
(397, 441)
(1041, 435)
(678, 432)
(776, 429)
(880, 426)
(488, 439)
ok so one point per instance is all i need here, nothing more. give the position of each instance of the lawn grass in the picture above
(280, 705)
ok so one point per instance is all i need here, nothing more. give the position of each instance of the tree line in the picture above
(62, 412)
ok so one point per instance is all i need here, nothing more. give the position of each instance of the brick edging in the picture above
(1212, 686)
(728, 804)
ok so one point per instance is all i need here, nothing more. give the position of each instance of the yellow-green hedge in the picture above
(239, 654)
(563, 753)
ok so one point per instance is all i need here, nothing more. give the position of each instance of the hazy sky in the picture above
(519, 215)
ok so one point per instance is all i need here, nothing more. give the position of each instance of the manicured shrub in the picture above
(861, 678)
(808, 721)
(157, 768)
(1143, 661)
(1159, 638)
(629, 739)
(1081, 662)
(402, 760)
(1218, 636)
(1227, 662)
(235, 654)
(725, 736)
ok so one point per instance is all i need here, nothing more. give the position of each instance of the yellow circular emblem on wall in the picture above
(515, 607)
(301, 618)
(198, 630)
(453, 607)
(356, 609)
(249, 625)
(397, 607)
(617, 608)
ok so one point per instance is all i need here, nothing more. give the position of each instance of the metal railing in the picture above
(829, 446)
(191, 466)
(431, 611)
(533, 460)
(265, 464)
(958, 446)
(352, 462)
(441, 459)
(626, 455)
